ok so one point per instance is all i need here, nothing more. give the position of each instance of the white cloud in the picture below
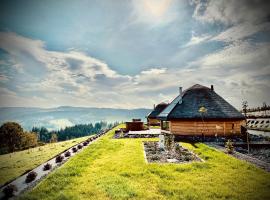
(194, 40)
(242, 18)
(241, 32)
(76, 79)
(154, 71)
(60, 123)
(230, 12)
(3, 78)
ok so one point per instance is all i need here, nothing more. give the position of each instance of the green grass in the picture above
(14, 164)
(154, 127)
(116, 169)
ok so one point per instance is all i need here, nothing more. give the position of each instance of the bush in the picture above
(31, 176)
(229, 147)
(74, 149)
(79, 146)
(85, 143)
(67, 154)
(47, 166)
(9, 190)
(59, 159)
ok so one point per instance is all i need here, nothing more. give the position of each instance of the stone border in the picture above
(19, 182)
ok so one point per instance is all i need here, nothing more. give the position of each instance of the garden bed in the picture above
(121, 134)
(180, 154)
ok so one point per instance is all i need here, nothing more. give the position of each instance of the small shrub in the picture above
(188, 158)
(9, 190)
(177, 148)
(67, 154)
(31, 176)
(59, 159)
(74, 149)
(85, 143)
(229, 147)
(47, 166)
(79, 146)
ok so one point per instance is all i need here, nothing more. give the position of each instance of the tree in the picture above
(202, 110)
(11, 134)
(244, 107)
(97, 126)
(264, 108)
(53, 138)
(29, 140)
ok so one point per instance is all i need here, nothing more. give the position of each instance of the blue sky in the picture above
(130, 54)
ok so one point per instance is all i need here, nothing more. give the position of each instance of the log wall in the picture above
(208, 128)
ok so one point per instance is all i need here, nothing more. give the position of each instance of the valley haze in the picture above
(63, 116)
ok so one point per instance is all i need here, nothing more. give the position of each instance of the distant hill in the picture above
(60, 117)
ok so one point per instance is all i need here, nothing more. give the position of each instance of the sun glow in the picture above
(157, 8)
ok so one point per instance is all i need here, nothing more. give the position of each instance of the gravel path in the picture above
(255, 161)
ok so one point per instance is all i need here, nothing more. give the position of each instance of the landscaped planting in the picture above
(79, 146)
(74, 149)
(31, 176)
(14, 164)
(47, 166)
(116, 169)
(177, 155)
(67, 153)
(9, 190)
(85, 143)
(59, 158)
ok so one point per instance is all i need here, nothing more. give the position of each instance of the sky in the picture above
(132, 53)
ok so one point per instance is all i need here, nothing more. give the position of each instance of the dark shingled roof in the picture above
(158, 109)
(199, 96)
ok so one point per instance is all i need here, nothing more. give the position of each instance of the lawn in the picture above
(116, 169)
(15, 164)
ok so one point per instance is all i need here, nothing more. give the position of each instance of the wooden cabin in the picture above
(198, 111)
(152, 119)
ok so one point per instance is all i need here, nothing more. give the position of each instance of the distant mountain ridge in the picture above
(60, 117)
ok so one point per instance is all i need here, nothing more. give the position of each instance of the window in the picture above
(165, 125)
(232, 126)
(262, 121)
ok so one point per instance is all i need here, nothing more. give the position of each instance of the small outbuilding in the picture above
(152, 119)
(198, 111)
(135, 125)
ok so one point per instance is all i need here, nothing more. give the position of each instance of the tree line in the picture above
(245, 108)
(14, 138)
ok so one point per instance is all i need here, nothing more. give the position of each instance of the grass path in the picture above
(14, 164)
(115, 169)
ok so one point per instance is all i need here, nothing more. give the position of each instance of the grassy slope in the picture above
(15, 164)
(115, 169)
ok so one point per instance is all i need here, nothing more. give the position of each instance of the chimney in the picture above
(154, 106)
(180, 95)
(212, 87)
